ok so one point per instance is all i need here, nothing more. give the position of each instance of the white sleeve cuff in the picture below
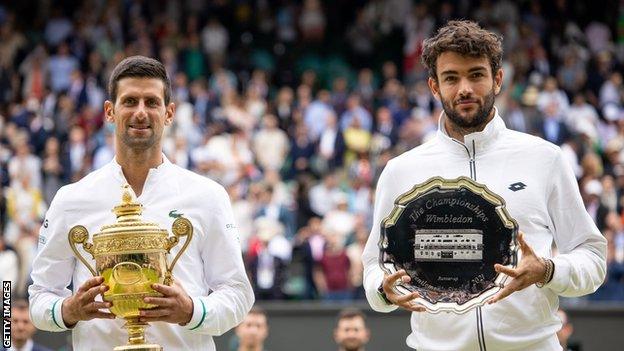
(199, 314)
(561, 276)
(375, 300)
(57, 314)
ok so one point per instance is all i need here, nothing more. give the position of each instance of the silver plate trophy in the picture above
(447, 234)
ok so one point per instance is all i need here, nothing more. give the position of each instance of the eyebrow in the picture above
(137, 96)
(473, 69)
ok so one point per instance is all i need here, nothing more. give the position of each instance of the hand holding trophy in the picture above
(131, 256)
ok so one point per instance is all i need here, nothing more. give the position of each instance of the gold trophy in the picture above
(131, 256)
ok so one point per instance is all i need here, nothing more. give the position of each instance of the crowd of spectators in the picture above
(295, 107)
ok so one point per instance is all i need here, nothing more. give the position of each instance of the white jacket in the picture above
(549, 207)
(210, 270)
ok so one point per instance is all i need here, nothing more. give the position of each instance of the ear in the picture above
(109, 111)
(169, 113)
(498, 81)
(434, 87)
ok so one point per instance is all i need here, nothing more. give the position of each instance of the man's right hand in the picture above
(82, 305)
(403, 301)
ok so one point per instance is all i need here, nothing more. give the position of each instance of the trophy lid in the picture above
(129, 218)
(129, 209)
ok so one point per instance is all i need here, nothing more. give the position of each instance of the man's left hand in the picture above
(175, 306)
(530, 270)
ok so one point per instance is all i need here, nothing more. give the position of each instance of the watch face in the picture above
(447, 235)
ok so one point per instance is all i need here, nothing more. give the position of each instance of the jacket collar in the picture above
(480, 140)
(153, 172)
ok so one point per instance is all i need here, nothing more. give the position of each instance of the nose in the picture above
(465, 88)
(141, 112)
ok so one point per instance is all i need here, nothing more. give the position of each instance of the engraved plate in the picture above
(447, 235)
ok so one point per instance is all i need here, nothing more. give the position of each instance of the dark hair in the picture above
(139, 67)
(350, 313)
(258, 311)
(466, 38)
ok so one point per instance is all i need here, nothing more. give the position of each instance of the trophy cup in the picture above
(447, 235)
(131, 256)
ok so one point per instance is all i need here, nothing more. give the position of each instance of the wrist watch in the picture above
(548, 275)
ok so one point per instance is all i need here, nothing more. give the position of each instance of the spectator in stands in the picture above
(270, 144)
(268, 256)
(307, 253)
(60, 68)
(253, 331)
(332, 274)
(9, 261)
(592, 191)
(331, 146)
(270, 207)
(25, 208)
(355, 111)
(55, 168)
(22, 329)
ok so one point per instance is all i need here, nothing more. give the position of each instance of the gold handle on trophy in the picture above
(181, 227)
(79, 235)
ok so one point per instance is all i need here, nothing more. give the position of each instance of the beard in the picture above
(351, 345)
(477, 120)
(139, 143)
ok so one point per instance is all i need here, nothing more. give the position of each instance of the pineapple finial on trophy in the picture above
(129, 210)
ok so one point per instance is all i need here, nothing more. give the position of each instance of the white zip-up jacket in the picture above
(210, 270)
(547, 206)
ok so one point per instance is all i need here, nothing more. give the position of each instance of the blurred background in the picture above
(295, 107)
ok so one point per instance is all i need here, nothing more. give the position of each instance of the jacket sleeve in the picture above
(373, 274)
(580, 266)
(232, 296)
(52, 270)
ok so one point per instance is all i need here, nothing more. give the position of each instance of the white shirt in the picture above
(210, 270)
(548, 209)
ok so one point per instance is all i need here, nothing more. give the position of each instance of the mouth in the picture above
(139, 126)
(466, 102)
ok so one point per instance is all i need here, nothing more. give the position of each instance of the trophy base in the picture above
(140, 347)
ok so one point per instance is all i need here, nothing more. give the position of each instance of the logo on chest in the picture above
(174, 214)
(517, 186)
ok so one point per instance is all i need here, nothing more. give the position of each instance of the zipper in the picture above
(473, 176)
(471, 156)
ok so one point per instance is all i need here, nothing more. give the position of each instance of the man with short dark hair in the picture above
(532, 176)
(253, 331)
(22, 329)
(210, 293)
(351, 333)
